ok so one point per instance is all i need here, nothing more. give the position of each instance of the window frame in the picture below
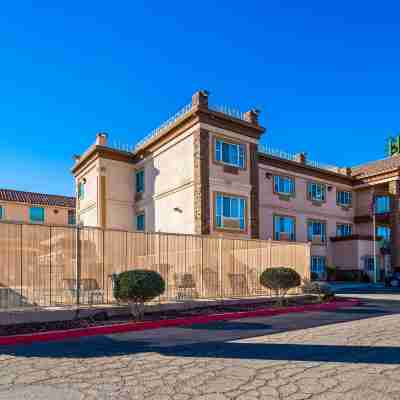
(338, 224)
(386, 227)
(2, 212)
(309, 196)
(319, 258)
(73, 213)
(389, 208)
(275, 216)
(81, 190)
(34, 220)
(140, 214)
(138, 172)
(323, 237)
(339, 203)
(229, 141)
(284, 194)
(245, 212)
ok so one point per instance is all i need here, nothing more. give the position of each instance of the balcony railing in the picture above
(295, 157)
(165, 125)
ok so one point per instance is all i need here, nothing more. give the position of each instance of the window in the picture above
(36, 214)
(230, 212)
(81, 190)
(316, 191)
(283, 185)
(316, 231)
(230, 153)
(344, 230)
(369, 264)
(318, 265)
(71, 217)
(284, 228)
(383, 232)
(140, 181)
(382, 204)
(344, 198)
(1, 212)
(140, 222)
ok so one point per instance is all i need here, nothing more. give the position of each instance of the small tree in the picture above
(280, 280)
(137, 287)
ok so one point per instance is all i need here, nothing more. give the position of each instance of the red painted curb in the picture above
(141, 326)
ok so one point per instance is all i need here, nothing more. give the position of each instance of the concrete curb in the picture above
(141, 326)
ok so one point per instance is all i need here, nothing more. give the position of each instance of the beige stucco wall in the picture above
(350, 254)
(13, 211)
(87, 209)
(224, 182)
(301, 208)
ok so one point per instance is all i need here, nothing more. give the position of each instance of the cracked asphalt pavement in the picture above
(350, 354)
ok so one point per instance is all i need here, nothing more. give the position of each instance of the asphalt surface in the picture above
(353, 353)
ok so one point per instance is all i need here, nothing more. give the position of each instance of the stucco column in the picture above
(394, 190)
(202, 218)
(255, 193)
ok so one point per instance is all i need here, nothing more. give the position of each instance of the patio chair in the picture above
(185, 286)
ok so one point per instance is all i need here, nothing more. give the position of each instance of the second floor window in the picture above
(284, 228)
(230, 212)
(71, 217)
(230, 153)
(343, 230)
(81, 190)
(140, 222)
(344, 198)
(140, 181)
(283, 185)
(383, 232)
(36, 214)
(316, 231)
(382, 204)
(316, 191)
(1, 212)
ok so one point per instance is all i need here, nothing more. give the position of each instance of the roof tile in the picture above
(37, 198)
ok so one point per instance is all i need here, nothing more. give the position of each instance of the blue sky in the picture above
(325, 76)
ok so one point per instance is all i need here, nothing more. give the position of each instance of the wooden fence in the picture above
(42, 265)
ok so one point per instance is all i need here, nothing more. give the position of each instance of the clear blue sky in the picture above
(325, 75)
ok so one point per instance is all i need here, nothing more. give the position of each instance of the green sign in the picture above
(393, 146)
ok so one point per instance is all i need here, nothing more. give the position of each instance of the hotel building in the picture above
(204, 172)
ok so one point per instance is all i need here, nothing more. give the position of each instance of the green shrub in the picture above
(314, 276)
(323, 290)
(280, 280)
(137, 287)
(331, 273)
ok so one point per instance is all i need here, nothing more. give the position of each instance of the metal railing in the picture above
(165, 125)
(232, 112)
(294, 157)
(58, 266)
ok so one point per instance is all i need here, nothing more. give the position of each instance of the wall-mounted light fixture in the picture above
(177, 209)
(330, 188)
(268, 175)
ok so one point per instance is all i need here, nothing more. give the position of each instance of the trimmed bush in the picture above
(323, 290)
(137, 287)
(280, 280)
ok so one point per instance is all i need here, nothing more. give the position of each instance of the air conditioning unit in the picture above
(230, 223)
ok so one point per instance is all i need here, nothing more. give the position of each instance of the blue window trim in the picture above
(284, 185)
(316, 191)
(284, 224)
(233, 154)
(382, 204)
(315, 228)
(140, 222)
(344, 229)
(139, 176)
(230, 207)
(344, 198)
(318, 264)
(35, 218)
(81, 190)
(1, 212)
(71, 217)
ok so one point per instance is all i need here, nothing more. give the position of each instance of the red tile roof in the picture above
(37, 198)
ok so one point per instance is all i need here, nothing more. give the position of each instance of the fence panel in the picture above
(52, 265)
